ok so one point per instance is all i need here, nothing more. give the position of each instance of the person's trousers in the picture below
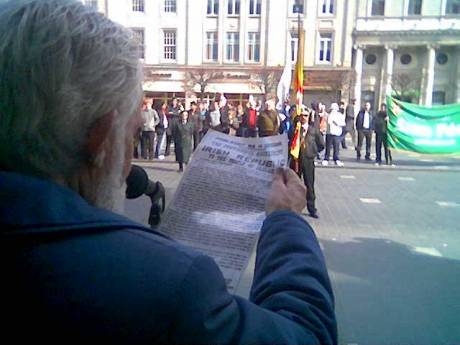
(382, 139)
(251, 133)
(364, 133)
(196, 139)
(332, 141)
(160, 142)
(136, 140)
(308, 172)
(147, 144)
(169, 140)
(349, 129)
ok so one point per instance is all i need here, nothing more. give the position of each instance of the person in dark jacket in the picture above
(173, 117)
(182, 132)
(350, 113)
(364, 125)
(195, 115)
(381, 138)
(77, 271)
(311, 143)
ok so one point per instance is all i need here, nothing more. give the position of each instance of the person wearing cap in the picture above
(311, 143)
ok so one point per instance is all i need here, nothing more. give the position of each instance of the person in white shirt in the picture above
(336, 122)
(364, 126)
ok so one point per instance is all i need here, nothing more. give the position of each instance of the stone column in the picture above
(428, 87)
(358, 74)
(389, 71)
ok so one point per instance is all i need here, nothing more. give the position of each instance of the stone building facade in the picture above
(353, 48)
(408, 47)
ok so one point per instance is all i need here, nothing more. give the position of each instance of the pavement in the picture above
(391, 239)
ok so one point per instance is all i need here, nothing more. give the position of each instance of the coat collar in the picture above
(33, 205)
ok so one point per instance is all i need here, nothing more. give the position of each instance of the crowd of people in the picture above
(167, 123)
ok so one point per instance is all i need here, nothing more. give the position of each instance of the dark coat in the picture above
(183, 136)
(380, 123)
(197, 120)
(77, 273)
(360, 120)
(173, 118)
(311, 143)
(160, 128)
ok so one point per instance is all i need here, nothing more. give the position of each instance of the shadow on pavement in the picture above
(388, 294)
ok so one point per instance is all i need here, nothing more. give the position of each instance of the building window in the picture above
(213, 7)
(255, 7)
(138, 5)
(325, 48)
(169, 44)
(297, 7)
(233, 7)
(233, 47)
(211, 46)
(415, 8)
(253, 46)
(378, 7)
(371, 59)
(442, 58)
(406, 59)
(327, 7)
(170, 6)
(91, 3)
(294, 45)
(140, 39)
(453, 7)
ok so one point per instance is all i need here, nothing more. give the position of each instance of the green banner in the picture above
(421, 129)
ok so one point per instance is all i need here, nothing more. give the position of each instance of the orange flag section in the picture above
(298, 80)
(295, 144)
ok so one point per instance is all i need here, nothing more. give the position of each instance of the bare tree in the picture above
(201, 77)
(341, 83)
(266, 81)
(406, 87)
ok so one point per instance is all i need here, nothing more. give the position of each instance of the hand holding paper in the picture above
(287, 192)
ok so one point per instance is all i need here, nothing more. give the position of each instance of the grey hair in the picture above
(62, 67)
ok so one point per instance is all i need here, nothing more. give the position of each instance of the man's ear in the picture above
(98, 133)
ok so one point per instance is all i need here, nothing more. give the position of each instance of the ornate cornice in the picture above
(449, 32)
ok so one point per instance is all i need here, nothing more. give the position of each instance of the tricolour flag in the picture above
(294, 150)
(298, 76)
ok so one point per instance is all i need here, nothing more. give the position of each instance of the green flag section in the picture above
(421, 129)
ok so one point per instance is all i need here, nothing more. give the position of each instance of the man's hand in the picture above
(287, 192)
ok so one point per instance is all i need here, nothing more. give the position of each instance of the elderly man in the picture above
(74, 271)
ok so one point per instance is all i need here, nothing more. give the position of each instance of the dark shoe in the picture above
(368, 158)
(314, 215)
(358, 158)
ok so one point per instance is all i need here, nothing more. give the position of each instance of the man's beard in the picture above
(111, 196)
(110, 191)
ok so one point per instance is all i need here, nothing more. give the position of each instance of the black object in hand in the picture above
(138, 184)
